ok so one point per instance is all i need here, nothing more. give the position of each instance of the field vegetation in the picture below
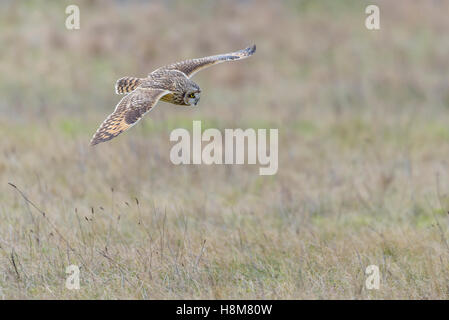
(363, 179)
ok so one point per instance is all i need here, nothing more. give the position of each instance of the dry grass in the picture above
(363, 172)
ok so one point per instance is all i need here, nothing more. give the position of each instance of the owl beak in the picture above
(196, 101)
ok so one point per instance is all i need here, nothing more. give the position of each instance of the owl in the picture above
(171, 83)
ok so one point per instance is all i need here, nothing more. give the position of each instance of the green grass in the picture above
(363, 145)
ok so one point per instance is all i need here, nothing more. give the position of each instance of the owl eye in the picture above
(192, 95)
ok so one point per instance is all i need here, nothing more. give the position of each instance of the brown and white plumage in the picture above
(170, 83)
(192, 66)
(128, 111)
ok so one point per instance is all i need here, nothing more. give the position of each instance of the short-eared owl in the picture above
(169, 83)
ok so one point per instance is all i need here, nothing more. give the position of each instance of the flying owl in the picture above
(169, 83)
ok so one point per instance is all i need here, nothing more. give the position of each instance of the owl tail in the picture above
(127, 84)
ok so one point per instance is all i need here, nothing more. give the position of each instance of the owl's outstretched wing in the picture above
(192, 66)
(128, 111)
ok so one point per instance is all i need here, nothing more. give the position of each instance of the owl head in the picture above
(192, 95)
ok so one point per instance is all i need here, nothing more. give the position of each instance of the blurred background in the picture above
(363, 142)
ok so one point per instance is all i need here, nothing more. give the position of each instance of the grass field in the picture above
(363, 173)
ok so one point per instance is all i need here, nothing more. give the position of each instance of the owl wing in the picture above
(128, 111)
(192, 66)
